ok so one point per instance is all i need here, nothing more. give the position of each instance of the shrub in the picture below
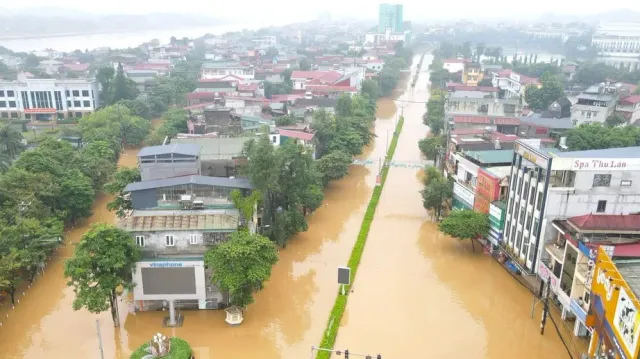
(330, 334)
(180, 349)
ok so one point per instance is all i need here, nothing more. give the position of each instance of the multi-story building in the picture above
(216, 70)
(513, 84)
(481, 103)
(175, 219)
(595, 104)
(618, 39)
(390, 17)
(629, 107)
(472, 74)
(546, 185)
(47, 99)
(264, 41)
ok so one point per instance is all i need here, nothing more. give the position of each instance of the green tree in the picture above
(371, 89)
(123, 89)
(116, 125)
(10, 141)
(241, 265)
(465, 224)
(11, 272)
(480, 49)
(138, 107)
(435, 194)
(97, 160)
(246, 204)
(305, 64)
(116, 186)
(431, 146)
(104, 76)
(615, 119)
(466, 50)
(103, 260)
(77, 194)
(541, 98)
(343, 107)
(333, 165)
(596, 136)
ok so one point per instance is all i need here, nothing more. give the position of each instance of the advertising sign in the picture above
(626, 321)
(487, 185)
(531, 155)
(463, 194)
(547, 276)
(592, 164)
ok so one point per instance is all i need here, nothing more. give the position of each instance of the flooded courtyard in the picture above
(418, 293)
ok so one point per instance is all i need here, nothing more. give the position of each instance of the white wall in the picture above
(453, 67)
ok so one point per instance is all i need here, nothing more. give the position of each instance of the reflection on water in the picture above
(432, 297)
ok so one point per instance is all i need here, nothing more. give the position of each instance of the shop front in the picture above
(614, 313)
(487, 191)
(463, 198)
(497, 216)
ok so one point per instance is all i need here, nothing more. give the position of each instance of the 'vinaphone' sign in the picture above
(606, 282)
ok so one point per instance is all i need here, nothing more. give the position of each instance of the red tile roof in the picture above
(468, 131)
(504, 73)
(328, 78)
(607, 222)
(306, 74)
(631, 100)
(286, 97)
(76, 67)
(248, 99)
(201, 95)
(506, 121)
(148, 66)
(200, 105)
(463, 87)
(328, 88)
(296, 134)
(486, 120)
(247, 87)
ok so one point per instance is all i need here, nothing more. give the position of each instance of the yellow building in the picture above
(614, 313)
(472, 74)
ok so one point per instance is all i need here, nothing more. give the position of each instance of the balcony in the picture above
(556, 251)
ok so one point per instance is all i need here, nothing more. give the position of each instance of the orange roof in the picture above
(606, 222)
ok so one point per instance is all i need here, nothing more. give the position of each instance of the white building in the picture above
(618, 39)
(454, 65)
(265, 41)
(595, 104)
(513, 84)
(374, 38)
(44, 99)
(216, 70)
(546, 185)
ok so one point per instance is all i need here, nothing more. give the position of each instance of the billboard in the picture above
(626, 321)
(169, 280)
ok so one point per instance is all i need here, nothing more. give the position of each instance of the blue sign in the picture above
(166, 264)
(613, 338)
(578, 311)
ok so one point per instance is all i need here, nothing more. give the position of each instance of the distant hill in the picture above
(16, 24)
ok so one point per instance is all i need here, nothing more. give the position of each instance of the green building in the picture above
(390, 17)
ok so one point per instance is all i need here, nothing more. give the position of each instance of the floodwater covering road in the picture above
(288, 317)
(421, 294)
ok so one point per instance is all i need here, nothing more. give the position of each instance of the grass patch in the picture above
(180, 349)
(331, 332)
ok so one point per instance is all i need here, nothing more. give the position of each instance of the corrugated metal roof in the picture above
(622, 152)
(202, 180)
(180, 222)
(489, 157)
(179, 148)
(607, 222)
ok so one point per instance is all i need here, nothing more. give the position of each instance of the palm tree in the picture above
(480, 50)
(10, 141)
(5, 162)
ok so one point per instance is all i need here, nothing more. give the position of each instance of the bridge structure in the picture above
(393, 163)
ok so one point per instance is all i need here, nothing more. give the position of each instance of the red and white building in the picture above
(629, 107)
(325, 83)
(454, 65)
(513, 83)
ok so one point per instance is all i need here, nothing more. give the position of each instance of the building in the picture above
(614, 306)
(513, 84)
(595, 104)
(48, 99)
(569, 270)
(617, 39)
(454, 65)
(175, 221)
(629, 107)
(390, 17)
(264, 41)
(167, 161)
(546, 185)
(472, 74)
(216, 70)
(481, 101)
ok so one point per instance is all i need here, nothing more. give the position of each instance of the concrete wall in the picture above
(155, 243)
(155, 169)
(144, 199)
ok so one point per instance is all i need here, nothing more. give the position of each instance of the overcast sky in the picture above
(292, 10)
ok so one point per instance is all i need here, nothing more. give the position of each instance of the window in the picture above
(3, 104)
(528, 225)
(14, 115)
(68, 104)
(87, 103)
(78, 114)
(76, 93)
(66, 93)
(601, 180)
(532, 196)
(4, 115)
(76, 103)
(625, 183)
(539, 204)
(514, 181)
(170, 241)
(507, 233)
(522, 213)
(11, 93)
(534, 230)
(273, 139)
(1, 93)
(85, 93)
(140, 241)
(510, 207)
(602, 206)
(526, 194)
(520, 186)
(518, 240)
(193, 239)
(12, 104)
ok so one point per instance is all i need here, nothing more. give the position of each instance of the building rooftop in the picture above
(491, 157)
(622, 152)
(606, 222)
(557, 123)
(177, 148)
(223, 65)
(177, 221)
(499, 171)
(215, 148)
(630, 271)
(201, 180)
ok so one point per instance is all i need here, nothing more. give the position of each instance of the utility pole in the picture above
(99, 339)
(545, 311)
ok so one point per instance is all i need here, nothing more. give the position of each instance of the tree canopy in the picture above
(540, 99)
(465, 224)
(103, 260)
(116, 125)
(241, 265)
(596, 136)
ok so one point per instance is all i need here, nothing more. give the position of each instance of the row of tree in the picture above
(55, 184)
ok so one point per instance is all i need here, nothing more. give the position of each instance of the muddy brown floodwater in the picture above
(288, 317)
(420, 294)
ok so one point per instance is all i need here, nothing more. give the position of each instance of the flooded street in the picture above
(288, 317)
(417, 291)
(420, 294)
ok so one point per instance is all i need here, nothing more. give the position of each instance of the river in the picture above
(417, 291)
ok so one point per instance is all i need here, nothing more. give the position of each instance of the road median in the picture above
(340, 304)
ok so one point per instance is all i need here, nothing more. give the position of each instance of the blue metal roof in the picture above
(178, 148)
(621, 152)
(202, 180)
